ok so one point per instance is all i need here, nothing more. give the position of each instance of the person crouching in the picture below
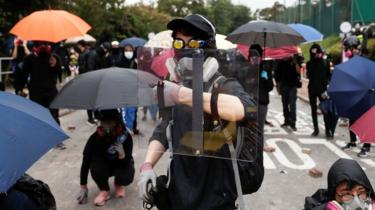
(107, 153)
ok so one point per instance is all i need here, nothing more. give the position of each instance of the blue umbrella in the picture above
(352, 87)
(309, 33)
(135, 41)
(27, 131)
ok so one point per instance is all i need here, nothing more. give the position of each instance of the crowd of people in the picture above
(193, 182)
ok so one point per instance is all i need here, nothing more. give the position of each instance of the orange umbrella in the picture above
(50, 25)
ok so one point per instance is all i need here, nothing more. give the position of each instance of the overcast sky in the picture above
(253, 4)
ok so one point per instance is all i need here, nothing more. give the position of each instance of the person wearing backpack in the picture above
(195, 182)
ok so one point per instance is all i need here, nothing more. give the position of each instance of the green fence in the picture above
(327, 15)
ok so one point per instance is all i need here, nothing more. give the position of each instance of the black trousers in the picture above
(289, 100)
(101, 169)
(313, 104)
(45, 99)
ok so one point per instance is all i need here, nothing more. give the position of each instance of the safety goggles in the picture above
(193, 43)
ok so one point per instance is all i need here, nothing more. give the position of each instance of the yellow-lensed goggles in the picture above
(193, 43)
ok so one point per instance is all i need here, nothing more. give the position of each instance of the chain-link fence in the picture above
(327, 15)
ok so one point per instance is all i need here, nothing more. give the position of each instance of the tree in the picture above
(181, 8)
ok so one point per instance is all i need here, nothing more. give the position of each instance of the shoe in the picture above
(285, 125)
(348, 146)
(329, 136)
(315, 133)
(269, 149)
(91, 122)
(293, 127)
(102, 198)
(60, 146)
(364, 152)
(120, 191)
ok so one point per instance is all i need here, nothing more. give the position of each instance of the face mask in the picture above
(356, 204)
(128, 55)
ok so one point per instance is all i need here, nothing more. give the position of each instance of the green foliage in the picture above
(181, 8)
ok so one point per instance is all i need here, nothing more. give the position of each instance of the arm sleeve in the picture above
(232, 87)
(87, 157)
(160, 133)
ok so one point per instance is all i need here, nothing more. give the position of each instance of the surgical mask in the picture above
(128, 55)
(356, 204)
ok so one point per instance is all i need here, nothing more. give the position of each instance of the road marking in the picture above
(267, 162)
(326, 143)
(308, 163)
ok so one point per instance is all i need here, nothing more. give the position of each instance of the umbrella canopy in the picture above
(161, 40)
(266, 34)
(85, 37)
(134, 41)
(309, 33)
(364, 127)
(352, 87)
(27, 131)
(271, 53)
(50, 25)
(107, 89)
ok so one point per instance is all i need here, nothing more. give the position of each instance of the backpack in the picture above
(36, 190)
(251, 172)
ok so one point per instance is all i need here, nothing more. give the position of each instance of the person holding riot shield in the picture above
(195, 180)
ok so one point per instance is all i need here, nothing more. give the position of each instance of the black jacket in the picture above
(286, 74)
(318, 74)
(265, 85)
(43, 77)
(96, 148)
(126, 63)
(342, 170)
(200, 183)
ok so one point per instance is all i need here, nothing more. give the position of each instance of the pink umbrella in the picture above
(158, 62)
(364, 127)
(271, 53)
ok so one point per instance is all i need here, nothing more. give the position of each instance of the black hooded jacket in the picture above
(318, 73)
(342, 170)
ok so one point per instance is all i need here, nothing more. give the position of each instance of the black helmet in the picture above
(108, 114)
(197, 21)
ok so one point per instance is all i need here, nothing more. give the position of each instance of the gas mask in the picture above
(357, 204)
(182, 70)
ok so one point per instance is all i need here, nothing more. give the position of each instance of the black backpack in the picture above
(249, 142)
(36, 190)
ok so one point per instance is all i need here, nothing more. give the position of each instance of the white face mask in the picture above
(128, 55)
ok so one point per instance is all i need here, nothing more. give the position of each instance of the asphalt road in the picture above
(286, 181)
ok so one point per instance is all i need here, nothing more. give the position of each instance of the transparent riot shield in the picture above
(187, 127)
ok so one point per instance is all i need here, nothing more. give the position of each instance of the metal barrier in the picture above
(1, 67)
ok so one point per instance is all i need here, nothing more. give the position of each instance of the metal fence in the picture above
(327, 15)
(4, 69)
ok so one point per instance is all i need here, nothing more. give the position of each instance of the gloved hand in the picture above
(82, 195)
(171, 91)
(147, 181)
(120, 149)
(264, 74)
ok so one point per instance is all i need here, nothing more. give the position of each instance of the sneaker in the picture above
(120, 191)
(60, 146)
(329, 136)
(293, 127)
(315, 133)
(348, 146)
(91, 122)
(364, 152)
(102, 198)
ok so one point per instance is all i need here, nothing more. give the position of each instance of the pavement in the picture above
(286, 183)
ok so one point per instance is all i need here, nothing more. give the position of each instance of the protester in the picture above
(128, 60)
(43, 68)
(19, 52)
(287, 77)
(265, 86)
(198, 183)
(107, 153)
(115, 54)
(348, 189)
(352, 49)
(318, 73)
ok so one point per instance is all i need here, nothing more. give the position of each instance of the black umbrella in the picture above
(107, 89)
(266, 34)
